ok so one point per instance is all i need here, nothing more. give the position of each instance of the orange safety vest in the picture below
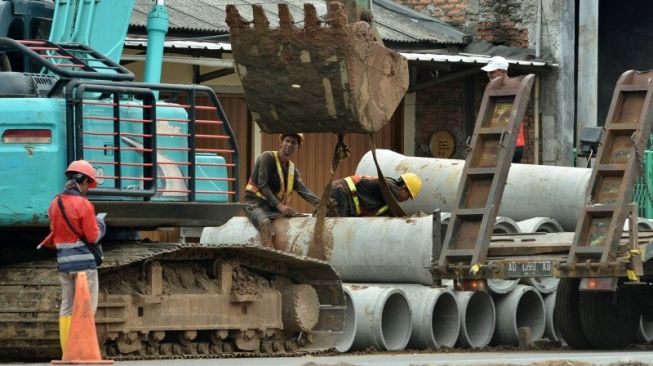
(351, 184)
(284, 192)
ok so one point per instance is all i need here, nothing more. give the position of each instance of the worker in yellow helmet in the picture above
(360, 195)
(272, 182)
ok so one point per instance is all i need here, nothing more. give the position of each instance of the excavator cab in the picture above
(330, 75)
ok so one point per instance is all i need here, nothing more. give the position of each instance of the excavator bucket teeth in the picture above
(327, 76)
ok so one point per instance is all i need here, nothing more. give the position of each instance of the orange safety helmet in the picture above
(83, 167)
(300, 137)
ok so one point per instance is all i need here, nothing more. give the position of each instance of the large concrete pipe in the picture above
(531, 190)
(540, 225)
(436, 320)
(477, 318)
(346, 339)
(551, 329)
(645, 330)
(383, 317)
(522, 307)
(372, 249)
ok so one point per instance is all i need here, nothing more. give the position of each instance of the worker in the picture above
(75, 232)
(272, 182)
(360, 195)
(498, 67)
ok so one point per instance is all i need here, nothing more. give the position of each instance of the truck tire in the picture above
(566, 314)
(608, 319)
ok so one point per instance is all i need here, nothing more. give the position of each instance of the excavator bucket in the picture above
(327, 76)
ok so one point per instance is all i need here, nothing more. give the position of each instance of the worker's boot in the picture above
(64, 329)
(266, 230)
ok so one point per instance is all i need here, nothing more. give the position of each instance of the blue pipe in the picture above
(157, 27)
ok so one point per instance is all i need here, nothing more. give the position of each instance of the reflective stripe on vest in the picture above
(354, 195)
(284, 192)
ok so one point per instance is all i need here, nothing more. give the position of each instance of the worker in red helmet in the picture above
(74, 233)
(272, 182)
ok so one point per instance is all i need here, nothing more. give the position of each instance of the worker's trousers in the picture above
(68, 290)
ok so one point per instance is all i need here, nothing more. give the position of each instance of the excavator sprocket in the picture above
(328, 76)
(170, 300)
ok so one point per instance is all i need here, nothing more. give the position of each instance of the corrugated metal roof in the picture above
(427, 57)
(142, 42)
(395, 23)
(469, 59)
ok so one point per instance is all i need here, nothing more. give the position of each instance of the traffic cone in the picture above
(83, 347)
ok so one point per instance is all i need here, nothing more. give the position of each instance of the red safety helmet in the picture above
(83, 167)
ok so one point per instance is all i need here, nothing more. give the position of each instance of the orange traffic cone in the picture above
(83, 347)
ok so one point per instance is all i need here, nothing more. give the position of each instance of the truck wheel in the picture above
(609, 319)
(566, 314)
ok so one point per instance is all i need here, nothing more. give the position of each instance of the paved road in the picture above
(418, 359)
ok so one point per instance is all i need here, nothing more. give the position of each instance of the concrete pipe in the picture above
(645, 330)
(346, 339)
(505, 225)
(436, 320)
(477, 318)
(522, 307)
(540, 225)
(544, 285)
(383, 317)
(643, 224)
(372, 249)
(551, 329)
(531, 190)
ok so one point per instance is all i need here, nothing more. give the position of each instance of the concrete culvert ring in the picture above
(301, 308)
(396, 323)
(346, 339)
(445, 321)
(645, 330)
(522, 308)
(531, 313)
(478, 316)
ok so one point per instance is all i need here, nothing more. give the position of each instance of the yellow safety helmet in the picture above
(300, 137)
(413, 182)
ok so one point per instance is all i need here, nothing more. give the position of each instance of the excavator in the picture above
(165, 156)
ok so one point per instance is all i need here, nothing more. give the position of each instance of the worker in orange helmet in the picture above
(360, 195)
(74, 233)
(272, 182)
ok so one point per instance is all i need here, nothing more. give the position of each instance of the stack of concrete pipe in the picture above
(531, 190)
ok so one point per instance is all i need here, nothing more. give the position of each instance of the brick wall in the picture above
(504, 22)
(440, 108)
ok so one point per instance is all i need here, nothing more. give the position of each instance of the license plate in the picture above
(530, 269)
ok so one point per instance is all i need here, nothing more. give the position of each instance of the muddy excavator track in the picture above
(181, 301)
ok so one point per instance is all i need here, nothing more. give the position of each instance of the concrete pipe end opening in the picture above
(521, 308)
(346, 339)
(396, 322)
(478, 317)
(445, 320)
(645, 330)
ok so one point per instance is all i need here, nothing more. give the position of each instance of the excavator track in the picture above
(170, 300)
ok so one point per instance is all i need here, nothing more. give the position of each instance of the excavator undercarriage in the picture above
(169, 300)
